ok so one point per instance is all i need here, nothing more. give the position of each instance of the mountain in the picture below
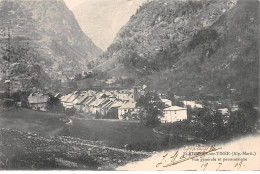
(191, 48)
(102, 19)
(46, 34)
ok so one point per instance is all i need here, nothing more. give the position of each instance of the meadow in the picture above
(116, 133)
(113, 133)
(42, 123)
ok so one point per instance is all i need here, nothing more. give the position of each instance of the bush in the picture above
(70, 112)
(203, 36)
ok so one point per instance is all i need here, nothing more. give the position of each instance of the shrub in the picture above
(203, 36)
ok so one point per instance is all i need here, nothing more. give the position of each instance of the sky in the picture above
(73, 3)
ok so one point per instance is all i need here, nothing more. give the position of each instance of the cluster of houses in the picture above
(101, 103)
(118, 102)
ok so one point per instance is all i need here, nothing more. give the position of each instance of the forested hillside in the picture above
(191, 47)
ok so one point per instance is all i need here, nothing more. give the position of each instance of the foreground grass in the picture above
(118, 133)
(42, 123)
(112, 132)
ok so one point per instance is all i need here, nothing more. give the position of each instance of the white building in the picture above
(192, 104)
(174, 114)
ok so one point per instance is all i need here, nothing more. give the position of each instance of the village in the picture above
(117, 104)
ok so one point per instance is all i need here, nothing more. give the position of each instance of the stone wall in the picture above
(22, 150)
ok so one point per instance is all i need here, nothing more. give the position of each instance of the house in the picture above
(105, 106)
(78, 102)
(114, 108)
(86, 104)
(128, 94)
(67, 100)
(174, 114)
(94, 106)
(192, 104)
(72, 98)
(38, 101)
(64, 99)
(124, 95)
(128, 107)
(167, 102)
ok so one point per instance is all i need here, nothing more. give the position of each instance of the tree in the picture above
(151, 108)
(55, 104)
(244, 120)
(70, 112)
(212, 122)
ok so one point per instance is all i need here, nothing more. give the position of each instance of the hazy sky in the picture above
(73, 3)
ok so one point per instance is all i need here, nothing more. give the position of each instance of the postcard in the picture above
(129, 85)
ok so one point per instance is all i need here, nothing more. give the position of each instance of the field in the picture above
(42, 123)
(113, 133)
(117, 133)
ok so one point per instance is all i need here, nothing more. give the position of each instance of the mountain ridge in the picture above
(190, 49)
(50, 36)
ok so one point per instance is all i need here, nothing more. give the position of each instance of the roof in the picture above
(174, 108)
(58, 95)
(117, 104)
(100, 95)
(107, 104)
(97, 102)
(104, 102)
(89, 100)
(72, 98)
(66, 97)
(38, 98)
(129, 105)
(81, 99)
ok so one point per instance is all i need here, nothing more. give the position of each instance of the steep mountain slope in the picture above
(225, 59)
(191, 48)
(163, 25)
(102, 19)
(44, 33)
